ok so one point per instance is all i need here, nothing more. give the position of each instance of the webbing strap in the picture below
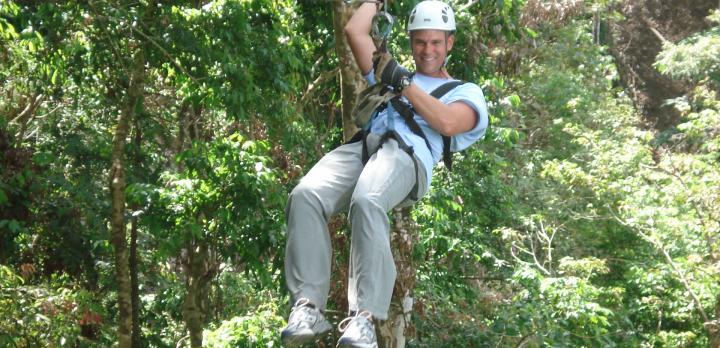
(447, 155)
(407, 114)
(444, 88)
(401, 144)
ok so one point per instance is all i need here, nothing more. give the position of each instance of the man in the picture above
(397, 171)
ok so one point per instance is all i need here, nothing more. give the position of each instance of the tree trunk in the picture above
(200, 267)
(134, 261)
(118, 231)
(391, 332)
(638, 38)
(135, 292)
(26, 117)
(351, 80)
(713, 327)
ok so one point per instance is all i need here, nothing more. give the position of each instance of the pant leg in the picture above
(322, 192)
(386, 181)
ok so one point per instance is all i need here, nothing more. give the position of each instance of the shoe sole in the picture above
(342, 344)
(294, 341)
(298, 340)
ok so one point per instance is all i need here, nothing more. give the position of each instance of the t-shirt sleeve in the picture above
(472, 95)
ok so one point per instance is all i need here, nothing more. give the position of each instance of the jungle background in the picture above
(147, 149)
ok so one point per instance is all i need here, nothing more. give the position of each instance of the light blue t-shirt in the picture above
(389, 120)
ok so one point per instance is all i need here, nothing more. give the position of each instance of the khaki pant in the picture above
(336, 182)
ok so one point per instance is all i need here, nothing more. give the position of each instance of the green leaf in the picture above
(20, 179)
(515, 100)
(43, 158)
(53, 78)
(532, 33)
(14, 226)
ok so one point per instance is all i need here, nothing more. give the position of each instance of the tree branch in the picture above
(466, 6)
(680, 274)
(166, 53)
(311, 87)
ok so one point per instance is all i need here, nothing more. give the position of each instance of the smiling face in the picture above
(429, 49)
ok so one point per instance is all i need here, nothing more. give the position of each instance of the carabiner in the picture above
(382, 24)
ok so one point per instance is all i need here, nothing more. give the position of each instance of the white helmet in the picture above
(431, 14)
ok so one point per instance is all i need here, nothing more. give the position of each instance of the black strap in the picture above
(409, 150)
(403, 146)
(447, 155)
(356, 137)
(444, 88)
(365, 153)
(407, 114)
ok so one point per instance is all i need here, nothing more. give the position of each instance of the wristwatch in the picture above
(404, 83)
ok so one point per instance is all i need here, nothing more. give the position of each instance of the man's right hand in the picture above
(388, 71)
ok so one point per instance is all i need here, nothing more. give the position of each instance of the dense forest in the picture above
(147, 149)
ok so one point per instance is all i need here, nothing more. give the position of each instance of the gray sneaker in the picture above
(305, 324)
(358, 332)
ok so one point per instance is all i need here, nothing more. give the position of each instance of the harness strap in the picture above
(406, 111)
(409, 150)
(447, 155)
(403, 146)
(365, 152)
(444, 88)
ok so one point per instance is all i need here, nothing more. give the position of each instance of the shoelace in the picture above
(365, 330)
(301, 303)
(300, 315)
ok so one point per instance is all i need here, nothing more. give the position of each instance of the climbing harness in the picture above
(408, 114)
(377, 99)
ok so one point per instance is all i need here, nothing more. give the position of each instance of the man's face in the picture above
(429, 49)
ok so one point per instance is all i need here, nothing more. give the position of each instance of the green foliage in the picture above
(597, 230)
(256, 329)
(695, 57)
(478, 24)
(73, 58)
(556, 311)
(239, 76)
(224, 194)
(47, 316)
(607, 192)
